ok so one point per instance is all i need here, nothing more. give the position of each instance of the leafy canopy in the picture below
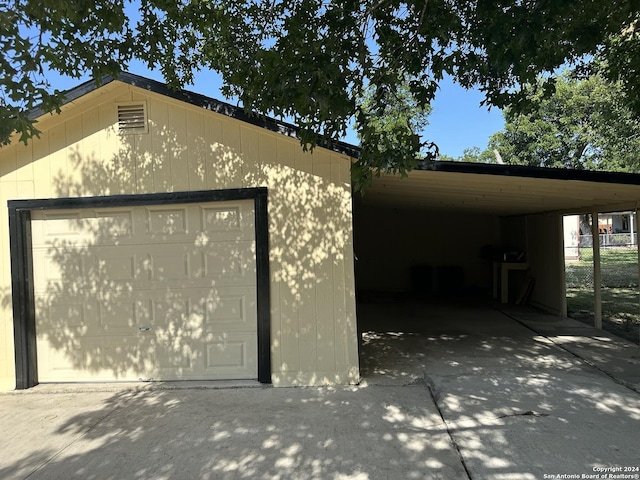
(587, 123)
(389, 124)
(310, 60)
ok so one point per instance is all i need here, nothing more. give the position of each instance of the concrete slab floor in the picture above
(518, 404)
(448, 392)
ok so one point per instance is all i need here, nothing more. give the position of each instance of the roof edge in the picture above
(290, 130)
(533, 172)
(199, 100)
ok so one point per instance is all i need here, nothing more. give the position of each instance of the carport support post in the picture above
(597, 277)
(636, 221)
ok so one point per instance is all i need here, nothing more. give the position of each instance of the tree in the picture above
(310, 60)
(585, 124)
(472, 155)
(390, 122)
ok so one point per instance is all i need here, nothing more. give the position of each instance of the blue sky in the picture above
(456, 122)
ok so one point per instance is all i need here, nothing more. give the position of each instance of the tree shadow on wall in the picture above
(98, 322)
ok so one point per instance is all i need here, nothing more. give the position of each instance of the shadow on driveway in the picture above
(448, 392)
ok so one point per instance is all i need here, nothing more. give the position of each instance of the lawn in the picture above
(619, 268)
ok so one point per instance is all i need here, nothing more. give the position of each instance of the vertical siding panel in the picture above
(8, 163)
(197, 153)
(276, 324)
(8, 191)
(214, 175)
(75, 156)
(339, 291)
(111, 153)
(309, 251)
(24, 164)
(143, 149)
(175, 147)
(350, 332)
(286, 154)
(231, 162)
(326, 320)
(41, 171)
(58, 161)
(290, 329)
(161, 144)
(8, 167)
(268, 167)
(269, 150)
(250, 141)
(125, 97)
(90, 143)
(327, 217)
(303, 161)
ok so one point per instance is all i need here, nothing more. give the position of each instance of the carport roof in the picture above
(506, 189)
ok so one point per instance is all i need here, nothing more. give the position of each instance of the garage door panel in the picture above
(75, 314)
(161, 292)
(231, 309)
(167, 222)
(169, 263)
(229, 263)
(231, 354)
(58, 269)
(117, 316)
(59, 226)
(96, 358)
(222, 356)
(227, 222)
(114, 265)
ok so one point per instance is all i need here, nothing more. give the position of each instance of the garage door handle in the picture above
(144, 329)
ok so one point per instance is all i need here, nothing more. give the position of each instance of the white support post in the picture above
(633, 225)
(597, 277)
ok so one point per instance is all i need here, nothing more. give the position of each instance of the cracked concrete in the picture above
(518, 404)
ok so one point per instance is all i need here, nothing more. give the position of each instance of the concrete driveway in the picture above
(448, 392)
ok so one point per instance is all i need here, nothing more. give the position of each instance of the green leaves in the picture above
(309, 61)
(585, 124)
(388, 122)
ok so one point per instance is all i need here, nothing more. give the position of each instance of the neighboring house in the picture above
(615, 229)
(571, 228)
(150, 234)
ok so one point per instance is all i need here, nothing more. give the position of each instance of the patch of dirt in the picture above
(628, 329)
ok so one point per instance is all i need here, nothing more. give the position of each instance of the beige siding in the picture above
(188, 148)
(544, 240)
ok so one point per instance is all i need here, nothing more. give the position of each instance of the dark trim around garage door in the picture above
(24, 321)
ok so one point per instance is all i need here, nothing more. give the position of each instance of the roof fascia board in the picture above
(534, 172)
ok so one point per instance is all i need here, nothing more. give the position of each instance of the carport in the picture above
(456, 230)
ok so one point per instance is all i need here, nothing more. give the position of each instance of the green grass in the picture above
(619, 268)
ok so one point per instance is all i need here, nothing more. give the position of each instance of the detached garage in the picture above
(154, 235)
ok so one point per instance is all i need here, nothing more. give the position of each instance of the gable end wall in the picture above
(80, 153)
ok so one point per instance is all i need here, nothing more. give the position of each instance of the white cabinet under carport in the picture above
(162, 292)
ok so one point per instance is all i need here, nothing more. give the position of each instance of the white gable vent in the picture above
(132, 117)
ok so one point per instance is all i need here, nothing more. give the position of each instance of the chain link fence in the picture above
(619, 279)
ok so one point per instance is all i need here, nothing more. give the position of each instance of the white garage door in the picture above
(164, 292)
